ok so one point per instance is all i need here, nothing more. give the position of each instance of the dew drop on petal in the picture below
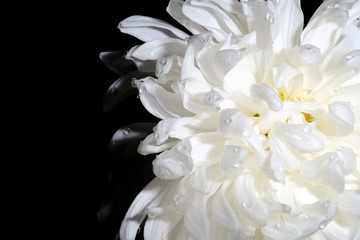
(246, 134)
(228, 120)
(126, 131)
(143, 89)
(309, 54)
(333, 5)
(323, 224)
(353, 59)
(270, 17)
(280, 224)
(246, 204)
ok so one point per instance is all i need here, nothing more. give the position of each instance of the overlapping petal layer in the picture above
(259, 135)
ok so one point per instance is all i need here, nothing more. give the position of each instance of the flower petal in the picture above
(156, 49)
(197, 220)
(225, 215)
(251, 210)
(280, 230)
(149, 196)
(301, 137)
(339, 121)
(158, 101)
(148, 29)
(233, 159)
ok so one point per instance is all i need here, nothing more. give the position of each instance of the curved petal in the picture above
(325, 28)
(148, 29)
(291, 18)
(156, 49)
(135, 214)
(158, 101)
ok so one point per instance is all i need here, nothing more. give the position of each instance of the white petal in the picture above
(197, 221)
(291, 18)
(349, 202)
(243, 75)
(324, 30)
(281, 151)
(169, 168)
(283, 74)
(225, 60)
(323, 208)
(199, 41)
(148, 28)
(175, 10)
(210, 17)
(325, 170)
(174, 163)
(251, 210)
(231, 123)
(149, 196)
(149, 145)
(205, 147)
(225, 215)
(158, 101)
(353, 59)
(201, 183)
(348, 157)
(233, 159)
(339, 121)
(142, 65)
(301, 137)
(280, 230)
(194, 92)
(165, 127)
(160, 227)
(308, 223)
(156, 49)
(272, 167)
(269, 95)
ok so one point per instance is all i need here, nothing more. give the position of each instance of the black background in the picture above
(77, 135)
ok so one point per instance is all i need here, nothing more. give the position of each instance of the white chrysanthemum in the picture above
(259, 135)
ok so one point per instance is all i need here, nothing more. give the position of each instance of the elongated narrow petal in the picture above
(148, 29)
(136, 214)
(160, 48)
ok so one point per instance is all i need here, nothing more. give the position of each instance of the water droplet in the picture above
(237, 149)
(323, 224)
(237, 164)
(339, 149)
(143, 89)
(332, 156)
(126, 131)
(270, 17)
(246, 134)
(227, 63)
(307, 129)
(181, 148)
(326, 204)
(164, 236)
(228, 120)
(280, 169)
(309, 54)
(280, 224)
(163, 62)
(157, 135)
(138, 230)
(333, 5)
(246, 204)
(178, 198)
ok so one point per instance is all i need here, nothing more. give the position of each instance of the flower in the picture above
(259, 131)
